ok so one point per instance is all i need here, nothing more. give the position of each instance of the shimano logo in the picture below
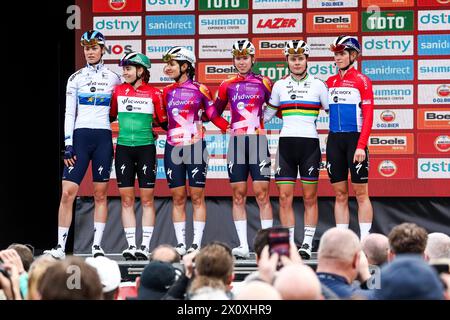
(223, 22)
(392, 92)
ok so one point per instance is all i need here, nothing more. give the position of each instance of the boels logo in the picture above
(442, 143)
(433, 119)
(326, 22)
(388, 3)
(387, 168)
(215, 72)
(387, 21)
(270, 47)
(116, 5)
(384, 143)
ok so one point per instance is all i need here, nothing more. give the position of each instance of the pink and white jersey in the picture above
(246, 96)
(185, 104)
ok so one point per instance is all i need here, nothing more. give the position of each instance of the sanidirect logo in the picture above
(118, 26)
(388, 46)
(436, 44)
(277, 23)
(207, 5)
(155, 49)
(434, 20)
(333, 4)
(223, 24)
(393, 94)
(270, 47)
(170, 25)
(393, 119)
(434, 69)
(387, 70)
(277, 4)
(115, 49)
(117, 6)
(325, 22)
(170, 5)
(434, 93)
(380, 21)
(433, 168)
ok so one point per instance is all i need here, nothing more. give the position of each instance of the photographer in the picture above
(14, 279)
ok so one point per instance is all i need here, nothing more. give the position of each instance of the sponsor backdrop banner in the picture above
(405, 52)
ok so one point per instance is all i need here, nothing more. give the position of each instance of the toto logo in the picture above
(443, 90)
(387, 168)
(117, 4)
(442, 143)
(387, 116)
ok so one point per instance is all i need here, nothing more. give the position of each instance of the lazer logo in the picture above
(277, 23)
(387, 141)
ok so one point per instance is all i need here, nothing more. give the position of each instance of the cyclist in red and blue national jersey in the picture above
(248, 151)
(185, 152)
(137, 105)
(351, 117)
(88, 137)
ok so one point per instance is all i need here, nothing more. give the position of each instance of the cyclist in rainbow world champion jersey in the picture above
(88, 138)
(351, 118)
(185, 151)
(248, 151)
(137, 105)
(299, 96)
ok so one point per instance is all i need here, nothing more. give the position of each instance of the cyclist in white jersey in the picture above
(88, 138)
(299, 98)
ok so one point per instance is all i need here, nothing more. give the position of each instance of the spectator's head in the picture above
(260, 241)
(213, 267)
(298, 282)
(165, 253)
(109, 273)
(37, 270)
(258, 290)
(25, 253)
(408, 277)
(339, 252)
(438, 246)
(70, 279)
(407, 238)
(155, 280)
(376, 248)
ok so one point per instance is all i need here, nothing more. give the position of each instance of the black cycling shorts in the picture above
(298, 154)
(140, 160)
(341, 147)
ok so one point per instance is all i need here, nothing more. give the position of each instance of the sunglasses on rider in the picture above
(337, 48)
(296, 51)
(240, 53)
(91, 42)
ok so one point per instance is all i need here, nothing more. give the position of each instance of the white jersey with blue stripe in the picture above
(88, 99)
(299, 103)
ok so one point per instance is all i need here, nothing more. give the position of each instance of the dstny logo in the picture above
(387, 21)
(392, 45)
(118, 26)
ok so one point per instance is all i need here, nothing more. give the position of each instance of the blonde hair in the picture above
(37, 270)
